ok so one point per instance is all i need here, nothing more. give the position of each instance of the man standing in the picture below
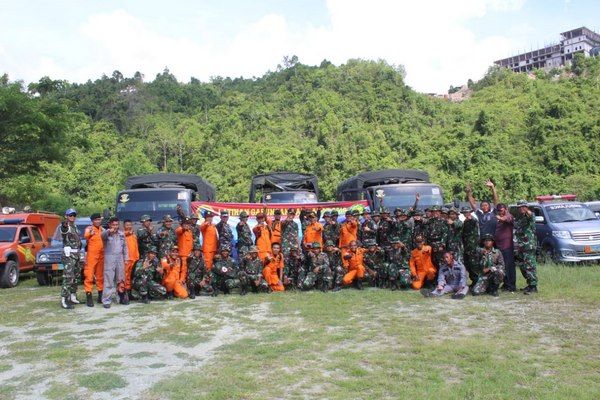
(313, 231)
(94, 266)
(368, 228)
(262, 232)
(455, 227)
(385, 229)
(492, 268)
(147, 276)
(470, 241)
(276, 227)
(504, 243)
(244, 236)
(166, 237)
(145, 235)
(210, 241)
(348, 231)
(185, 243)
(133, 255)
(418, 227)
(335, 264)
(526, 246)
(452, 278)
(437, 235)
(71, 259)
(115, 254)
(224, 230)
(289, 232)
(485, 214)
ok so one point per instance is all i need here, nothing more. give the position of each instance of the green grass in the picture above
(370, 344)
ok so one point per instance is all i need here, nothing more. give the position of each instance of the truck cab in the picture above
(566, 230)
(391, 188)
(284, 187)
(22, 236)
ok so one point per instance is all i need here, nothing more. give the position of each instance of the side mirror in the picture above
(540, 219)
(24, 240)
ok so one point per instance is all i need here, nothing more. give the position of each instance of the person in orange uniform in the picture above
(313, 232)
(348, 230)
(421, 265)
(275, 226)
(262, 232)
(210, 240)
(133, 254)
(93, 271)
(171, 266)
(185, 243)
(353, 261)
(273, 270)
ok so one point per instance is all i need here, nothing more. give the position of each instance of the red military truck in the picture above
(21, 237)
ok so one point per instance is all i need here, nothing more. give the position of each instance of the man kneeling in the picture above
(452, 278)
(147, 276)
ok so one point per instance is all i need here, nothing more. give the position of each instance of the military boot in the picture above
(359, 284)
(336, 288)
(73, 299)
(145, 299)
(394, 285)
(65, 303)
(99, 300)
(324, 286)
(244, 290)
(493, 289)
(89, 300)
(169, 295)
(192, 294)
(530, 290)
(123, 298)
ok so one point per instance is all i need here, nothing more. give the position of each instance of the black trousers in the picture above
(510, 278)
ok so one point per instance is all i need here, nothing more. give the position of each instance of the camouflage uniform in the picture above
(145, 240)
(294, 269)
(398, 268)
(525, 248)
(225, 275)
(375, 261)
(146, 280)
(384, 233)
(251, 274)
(289, 235)
(198, 279)
(470, 241)
(437, 237)
(371, 234)
(322, 278)
(331, 231)
(336, 268)
(225, 234)
(455, 239)
(73, 263)
(165, 242)
(418, 230)
(244, 239)
(491, 280)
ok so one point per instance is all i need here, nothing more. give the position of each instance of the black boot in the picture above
(336, 288)
(99, 300)
(89, 300)
(530, 290)
(244, 290)
(192, 292)
(145, 299)
(394, 285)
(324, 287)
(66, 303)
(359, 284)
(493, 288)
(169, 295)
(124, 298)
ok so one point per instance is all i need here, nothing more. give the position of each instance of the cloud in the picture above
(430, 38)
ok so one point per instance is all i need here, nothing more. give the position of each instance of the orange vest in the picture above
(209, 237)
(185, 241)
(313, 233)
(348, 233)
(132, 246)
(420, 260)
(94, 242)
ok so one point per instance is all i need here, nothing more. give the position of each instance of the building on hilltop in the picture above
(580, 40)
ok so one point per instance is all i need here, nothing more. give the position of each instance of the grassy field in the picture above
(370, 344)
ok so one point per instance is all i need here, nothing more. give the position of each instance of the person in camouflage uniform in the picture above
(165, 237)
(455, 227)
(437, 235)
(367, 230)
(525, 246)
(418, 228)
(198, 278)
(145, 235)
(289, 232)
(294, 269)
(398, 268)
(332, 228)
(251, 272)
(470, 241)
(335, 264)
(491, 264)
(225, 274)
(224, 230)
(402, 227)
(71, 259)
(147, 276)
(376, 268)
(318, 274)
(385, 229)
(244, 235)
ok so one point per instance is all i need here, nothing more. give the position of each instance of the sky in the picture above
(439, 42)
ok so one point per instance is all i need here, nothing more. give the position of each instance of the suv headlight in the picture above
(43, 258)
(561, 234)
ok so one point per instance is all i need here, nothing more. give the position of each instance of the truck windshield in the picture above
(156, 203)
(569, 213)
(404, 197)
(290, 197)
(7, 234)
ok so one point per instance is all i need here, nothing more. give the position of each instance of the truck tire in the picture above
(9, 275)
(44, 278)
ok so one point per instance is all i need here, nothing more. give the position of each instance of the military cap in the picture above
(398, 209)
(174, 247)
(348, 212)
(315, 245)
(145, 218)
(192, 216)
(277, 212)
(208, 213)
(294, 248)
(291, 211)
(428, 209)
(370, 242)
(488, 236)
(453, 210)
(93, 216)
(329, 243)
(225, 248)
(197, 246)
(435, 208)
(327, 214)
(418, 212)
(366, 211)
(445, 210)
(395, 240)
(252, 249)
(243, 214)
(224, 213)
(335, 213)
(522, 203)
(466, 209)
(151, 249)
(167, 218)
(355, 212)
(385, 211)
(376, 213)
(312, 215)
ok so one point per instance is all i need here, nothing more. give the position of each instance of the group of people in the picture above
(433, 249)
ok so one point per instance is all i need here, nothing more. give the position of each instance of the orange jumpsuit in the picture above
(210, 243)
(171, 277)
(313, 233)
(348, 233)
(271, 272)
(355, 266)
(263, 240)
(421, 266)
(133, 254)
(94, 260)
(185, 243)
(276, 231)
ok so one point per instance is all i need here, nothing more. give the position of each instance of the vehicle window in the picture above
(404, 197)
(537, 212)
(36, 234)
(156, 203)
(290, 197)
(7, 234)
(569, 213)
(23, 233)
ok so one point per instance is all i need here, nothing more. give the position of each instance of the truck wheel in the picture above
(549, 255)
(44, 278)
(9, 276)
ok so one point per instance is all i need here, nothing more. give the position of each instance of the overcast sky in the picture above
(440, 43)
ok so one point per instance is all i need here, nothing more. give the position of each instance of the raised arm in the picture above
(492, 187)
(470, 197)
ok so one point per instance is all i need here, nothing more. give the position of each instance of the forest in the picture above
(73, 144)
